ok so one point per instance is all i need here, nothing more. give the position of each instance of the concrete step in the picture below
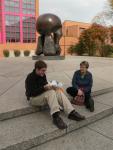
(28, 131)
(13, 104)
(85, 138)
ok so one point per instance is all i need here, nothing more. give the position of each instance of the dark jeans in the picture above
(73, 92)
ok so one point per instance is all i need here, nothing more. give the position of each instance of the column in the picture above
(21, 24)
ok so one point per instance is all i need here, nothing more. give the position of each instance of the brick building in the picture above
(71, 33)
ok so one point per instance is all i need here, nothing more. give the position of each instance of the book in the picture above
(56, 83)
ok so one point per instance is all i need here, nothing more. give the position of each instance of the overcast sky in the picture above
(76, 10)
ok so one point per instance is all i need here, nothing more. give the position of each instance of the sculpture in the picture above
(50, 29)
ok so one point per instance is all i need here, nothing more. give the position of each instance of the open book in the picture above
(55, 83)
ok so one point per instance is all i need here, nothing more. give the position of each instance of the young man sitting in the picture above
(39, 92)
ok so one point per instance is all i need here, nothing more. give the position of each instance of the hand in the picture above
(54, 87)
(80, 92)
(47, 87)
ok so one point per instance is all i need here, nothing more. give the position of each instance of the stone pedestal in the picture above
(35, 57)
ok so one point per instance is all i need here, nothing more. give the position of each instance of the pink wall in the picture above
(3, 24)
(21, 27)
(0, 38)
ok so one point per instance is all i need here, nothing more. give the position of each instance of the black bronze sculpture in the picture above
(50, 29)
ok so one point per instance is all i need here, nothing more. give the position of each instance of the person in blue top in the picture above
(82, 82)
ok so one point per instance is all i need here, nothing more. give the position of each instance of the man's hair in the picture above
(40, 64)
(85, 63)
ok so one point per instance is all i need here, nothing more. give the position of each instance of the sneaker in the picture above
(76, 116)
(59, 123)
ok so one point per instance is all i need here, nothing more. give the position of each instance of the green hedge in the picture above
(26, 53)
(16, 53)
(6, 53)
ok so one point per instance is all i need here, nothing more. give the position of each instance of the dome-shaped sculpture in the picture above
(48, 23)
(50, 29)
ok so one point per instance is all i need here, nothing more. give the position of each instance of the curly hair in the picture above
(40, 64)
(85, 63)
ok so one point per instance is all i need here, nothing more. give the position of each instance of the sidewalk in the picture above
(30, 129)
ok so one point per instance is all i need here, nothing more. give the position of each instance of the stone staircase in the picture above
(22, 128)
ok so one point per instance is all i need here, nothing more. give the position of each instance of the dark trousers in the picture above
(73, 92)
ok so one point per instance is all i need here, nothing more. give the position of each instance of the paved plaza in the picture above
(23, 127)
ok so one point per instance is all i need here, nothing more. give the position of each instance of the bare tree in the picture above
(105, 17)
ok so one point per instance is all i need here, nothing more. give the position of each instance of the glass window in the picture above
(29, 1)
(24, 5)
(12, 28)
(33, 35)
(32, 6)
(17, 10)
(12, 9)
(81, 29)
(17, 35)
(29, 7)
(29, 32)
(32, 12)
(25, 29)
(11, 6)
(16, 4)
(12, 3)
(25, 1)
(17, 29)
(7, 3)
(7, 8)
(8, 34)
(33, 1)
(24, 11)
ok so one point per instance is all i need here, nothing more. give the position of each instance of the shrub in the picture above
(107, 50)
(92, 40)
(26, 53)
(16, 53)
(78, 49)
(6, 53)
(71, 49)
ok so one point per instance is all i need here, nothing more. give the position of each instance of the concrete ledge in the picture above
(103, 91)
(29, 109)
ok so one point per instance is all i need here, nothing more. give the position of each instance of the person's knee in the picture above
(72, 91)
(59, 91)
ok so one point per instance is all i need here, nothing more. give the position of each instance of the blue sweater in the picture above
(82, 82)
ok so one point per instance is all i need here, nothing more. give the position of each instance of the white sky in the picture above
(76, 10)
